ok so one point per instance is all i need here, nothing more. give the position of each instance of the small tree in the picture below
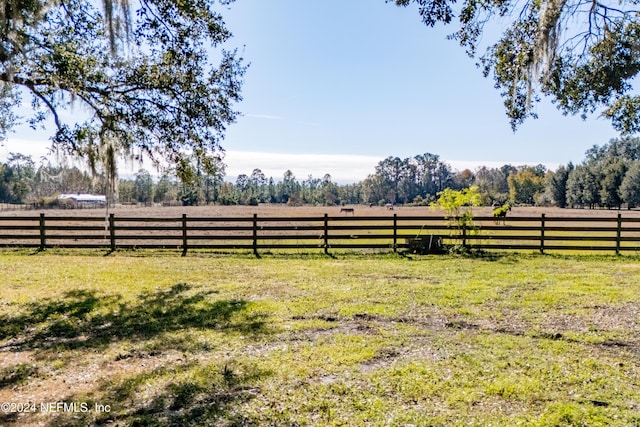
(452, 202)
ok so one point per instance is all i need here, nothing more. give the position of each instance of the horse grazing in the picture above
(501, 213)
(389, 206)
(348, 210)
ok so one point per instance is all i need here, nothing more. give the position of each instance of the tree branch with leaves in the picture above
(583, 54)
(142, 75)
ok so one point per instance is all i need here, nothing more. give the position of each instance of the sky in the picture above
(335, 86)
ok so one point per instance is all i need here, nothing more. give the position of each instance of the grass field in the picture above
(162, 340)
(309, 210)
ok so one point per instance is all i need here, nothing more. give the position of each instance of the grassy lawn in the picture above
(162, 340)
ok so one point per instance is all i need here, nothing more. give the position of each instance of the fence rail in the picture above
(253, 233)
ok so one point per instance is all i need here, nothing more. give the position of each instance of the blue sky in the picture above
(363, 77)
(334, 86)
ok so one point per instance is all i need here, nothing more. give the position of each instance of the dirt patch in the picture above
(599, 318)
(57, 384)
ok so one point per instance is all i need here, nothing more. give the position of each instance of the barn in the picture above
(80, 198)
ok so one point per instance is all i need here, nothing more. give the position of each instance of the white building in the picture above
(85, 198)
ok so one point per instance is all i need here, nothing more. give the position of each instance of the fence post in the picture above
(112, 232)
(542, 234)
(395, 233)
(255, 234)
(326, 234)
(43, 237)
(618, 233)
(464, 235)
(184, 234)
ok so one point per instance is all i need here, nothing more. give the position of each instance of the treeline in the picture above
(409, 181)
(608, 177)
(21, 181)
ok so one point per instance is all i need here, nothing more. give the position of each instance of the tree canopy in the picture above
(583, 54)
(145, 79)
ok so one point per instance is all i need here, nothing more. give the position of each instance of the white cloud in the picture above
(343, 168)
(460, 165)
(29, 147)
(263, 116)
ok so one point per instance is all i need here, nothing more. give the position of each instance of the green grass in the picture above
(311, 340)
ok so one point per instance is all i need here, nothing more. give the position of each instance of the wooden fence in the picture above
(323, 233)
(14, 206)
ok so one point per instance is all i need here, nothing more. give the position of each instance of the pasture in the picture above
(307, 210)
(231, 340)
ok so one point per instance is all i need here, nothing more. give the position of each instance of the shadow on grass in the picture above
(171, 395)
(83, 320)
(187, 395)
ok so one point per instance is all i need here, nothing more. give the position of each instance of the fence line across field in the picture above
(254, 233)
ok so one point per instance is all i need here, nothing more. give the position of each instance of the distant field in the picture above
(287, 340)
(284, 210)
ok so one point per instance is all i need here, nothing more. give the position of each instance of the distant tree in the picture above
(630, 186)
(165, 190)
(211, 179)
(507, 170)
(492, 184)
(311, 190)
(390, 172)
(399, 180)
(351, 194)
(4, 189)
(557, 185)
(597, 181)
(189, 195)
(443, 176)
(374, 188)
(329, 189)
(289, 187)
(427, 173)
(228, 194)
(17, 178)
(625, 148)
(143, 186)
(126, 192)
(612, 175)
(525, 184)
(50, 180)
(464, 179)
(258, 184)
(583, 187)
(242, 189)
(272, 191)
